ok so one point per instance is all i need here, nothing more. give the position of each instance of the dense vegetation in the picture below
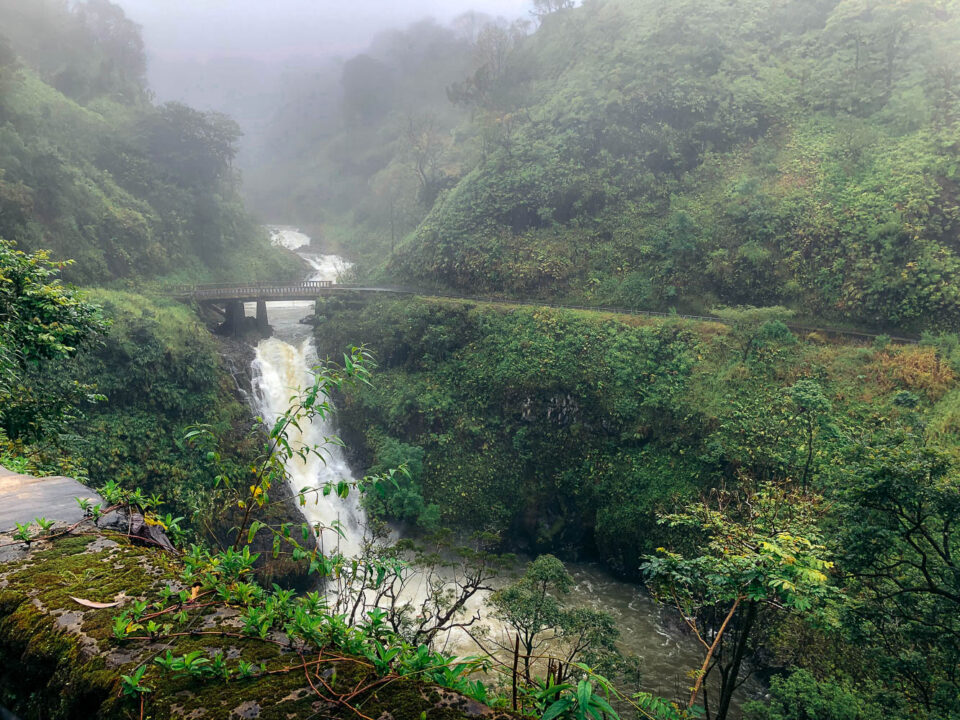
(92, 171)
(160, 372)
(101, 384)
(43, 326)
(654, 154)
(576, 431)
(572, 429)
(794, 498)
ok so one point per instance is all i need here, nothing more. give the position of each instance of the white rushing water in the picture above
(283, 365)
(289, 237)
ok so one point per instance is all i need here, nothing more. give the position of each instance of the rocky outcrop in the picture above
(59, 657)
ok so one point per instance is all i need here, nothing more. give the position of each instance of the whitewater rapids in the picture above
(283, 365)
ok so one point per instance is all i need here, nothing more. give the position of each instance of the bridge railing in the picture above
(247, 290)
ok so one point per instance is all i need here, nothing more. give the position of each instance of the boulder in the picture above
(59, 658)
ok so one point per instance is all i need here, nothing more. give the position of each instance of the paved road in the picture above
(309, 290)
(24, 497)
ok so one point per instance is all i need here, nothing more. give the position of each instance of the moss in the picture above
(58, 659)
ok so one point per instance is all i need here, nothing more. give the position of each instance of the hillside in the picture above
(93, 171)
(692, 153)
(574, 432)
(649, 154)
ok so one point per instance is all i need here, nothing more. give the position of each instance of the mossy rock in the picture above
(59, 659)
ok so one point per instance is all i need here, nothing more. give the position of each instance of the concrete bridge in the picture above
(228, 299)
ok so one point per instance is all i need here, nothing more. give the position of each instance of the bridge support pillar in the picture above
(233, 324)
(263, 324)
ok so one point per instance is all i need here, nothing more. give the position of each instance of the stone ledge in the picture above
(59, 660)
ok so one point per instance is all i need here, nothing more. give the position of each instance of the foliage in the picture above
(576, 420)
(573, 429)
(530, 606)
(753, 328)
(807, 158)
(763, 548)
(90, 170)
(799, 696)
(306, 623)
(896, 535)
(512, 410)
(43, 323)
(160, 371)
(404, 500)
(533, 609)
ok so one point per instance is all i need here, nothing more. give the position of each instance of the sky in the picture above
(178, 30)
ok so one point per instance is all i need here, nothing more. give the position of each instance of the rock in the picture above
(136, 527)
(59, 659)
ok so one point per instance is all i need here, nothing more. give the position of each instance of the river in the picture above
(282, 364)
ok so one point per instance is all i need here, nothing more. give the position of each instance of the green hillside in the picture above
(691, 153)
(93, 171)
(651, 154)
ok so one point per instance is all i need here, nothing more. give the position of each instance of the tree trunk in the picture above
(730, 678)
(710, 651)
(516, 660)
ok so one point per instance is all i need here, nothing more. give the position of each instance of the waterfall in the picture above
(282, 365)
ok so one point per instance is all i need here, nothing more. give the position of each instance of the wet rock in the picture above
(246, 710)
(59, 659)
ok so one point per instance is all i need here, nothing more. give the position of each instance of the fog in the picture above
(176, 30)
(251, 58)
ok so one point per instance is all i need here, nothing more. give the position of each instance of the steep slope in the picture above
(688, 153)
(90, 169)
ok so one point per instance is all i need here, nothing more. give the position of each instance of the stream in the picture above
(283, 363)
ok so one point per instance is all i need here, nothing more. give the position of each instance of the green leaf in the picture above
(557, 709)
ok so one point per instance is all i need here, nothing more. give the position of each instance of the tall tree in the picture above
(898, 539)
(542, 8)
(763, 551)
(530, 605)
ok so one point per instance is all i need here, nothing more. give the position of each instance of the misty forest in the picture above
(503, 359)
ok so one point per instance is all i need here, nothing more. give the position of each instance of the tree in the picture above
(494, 44)
(800, 696)
(118, 38)
(542, 8)
(763, 550)
(752, 327)
(423, 589)
(898, 505)
(812, 406)
(427, 143)
(368, 89)
(196, 148)
(41, 321)
(530, 606)
(395, 188)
